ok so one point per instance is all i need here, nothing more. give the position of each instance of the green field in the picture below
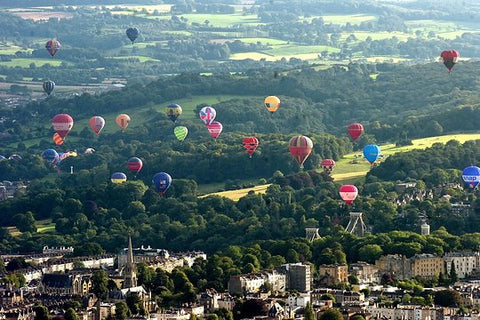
(140, 58)
(217, 20)
(25, 63)
(350, 18)
(41, 225)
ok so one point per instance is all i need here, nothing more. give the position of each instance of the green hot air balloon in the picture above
(180, 132)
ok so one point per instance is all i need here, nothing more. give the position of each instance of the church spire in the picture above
(130, 270)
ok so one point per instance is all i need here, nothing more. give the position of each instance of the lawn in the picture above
(25, 63)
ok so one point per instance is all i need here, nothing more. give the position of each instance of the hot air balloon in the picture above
(132, 34)
(15, 157)
(300, 148)
(52, 46)
(207, 114)
(57, 139)
(62, 123)
(449, 58)
(123, 120)
(173, 111)
(89, 151)
(180, 132)
(162, 182)
(215, 128)
(371, 152)
(250, 144)
(48, 86)
(134, 164)
(327, 165)
(118, 177)
(355, 130)
(271, 103)
(97, 123)
(471, 176)
(51, 156)
(348, 193)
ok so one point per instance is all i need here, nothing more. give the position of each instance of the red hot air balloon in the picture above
(348, 193)
(52, 46)
(97, 123)
(134, 164)
(215, 128)
(62, 123)
(449, 58)
(327, 165)
(250, 144)
(300, 148)
(355, 130)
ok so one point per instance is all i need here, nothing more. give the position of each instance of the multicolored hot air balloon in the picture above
(57, 139)
(162, 182)
(173, 111)
(348, 193)
(300, 148)
(371, 152)
(62, 124)
(52, 46)
(271, 103)
(118, 177)
(215, 128)
(123, 120)
(180, 132)
(51, 156)
(207, 114)
(97, 123)
(355, 130)
(250, 144)
(48, 86)
(327, 165)
(134, 164)
(471, 176)
(449, 58)
(132, 34)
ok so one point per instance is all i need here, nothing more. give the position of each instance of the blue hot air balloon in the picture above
(50, 155)
(371, 152)
(471, 176)
(162, 182)
(118, 177)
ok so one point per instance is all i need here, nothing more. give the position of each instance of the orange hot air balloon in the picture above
(123, 120)
(300, 148)
(57, 139)
(272, 103)
(97, 123)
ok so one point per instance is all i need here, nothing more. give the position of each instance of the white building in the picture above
(465, 263)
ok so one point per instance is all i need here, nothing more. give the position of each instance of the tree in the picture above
(453, 273)
(309, 315)
(121, 311)
(448, 298)
(100, 283)
(41, 312)
(70, 314)
(331, 314)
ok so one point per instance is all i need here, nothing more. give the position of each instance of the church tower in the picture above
(130, 270)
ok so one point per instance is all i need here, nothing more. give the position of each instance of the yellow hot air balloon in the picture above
(122, 121)
(272, 103)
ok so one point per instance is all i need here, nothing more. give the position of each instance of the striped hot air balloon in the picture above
(180, 132)
(300, 148)
(118, 177)
(57, 139)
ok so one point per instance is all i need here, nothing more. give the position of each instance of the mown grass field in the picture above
(41, 225)
(25, 62)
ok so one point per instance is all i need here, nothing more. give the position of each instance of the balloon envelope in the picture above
(162, 182)
(173, 111)
(123, 120)
(471, 176)
(207, 114)
(134, 164)
(97, 123)
(300, 148)
(50, 155)
(180, 132)
(272, 103)
(62, 123)
(371, 152)
(327, 164)
(215, 128)
(250, 144)
(355, 130)
(118, 177)
(132, 34)
(348, 193)
(449, 58)
(52, 46)
(57, 139)
(48, 86)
